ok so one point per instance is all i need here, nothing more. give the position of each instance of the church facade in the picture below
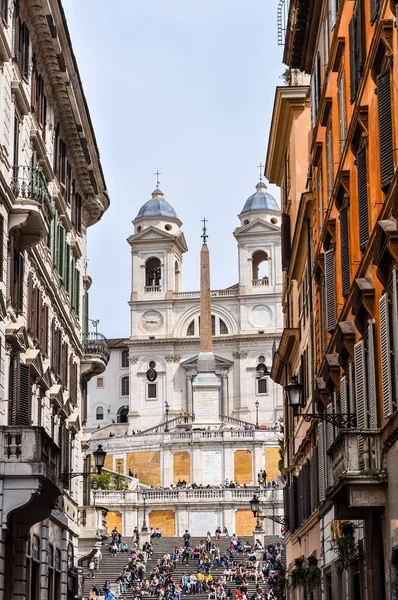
(179, 408)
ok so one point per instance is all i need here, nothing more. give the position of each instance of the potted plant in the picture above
(298, 575)
(346, 546)
(313, 574)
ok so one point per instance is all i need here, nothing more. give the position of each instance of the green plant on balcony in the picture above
(346, 547)
(298, 576)
(313, 574)
(103, 480)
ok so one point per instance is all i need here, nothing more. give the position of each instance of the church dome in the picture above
(261, 200)
(157, 206)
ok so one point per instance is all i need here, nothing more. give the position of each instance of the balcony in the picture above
(152, 289)
(96, 355)
(178, 497)
(258, 283)
(32, 210)
(30, 465)
(358, 479)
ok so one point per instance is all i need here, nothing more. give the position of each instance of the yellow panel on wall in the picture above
(181, 466)
(165, 520)
(145, 466)
(244, 522)
(108, 464)
(271, 463)
(114, 519)
(243, 471)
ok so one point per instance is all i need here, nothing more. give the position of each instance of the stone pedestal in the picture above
(206, 391)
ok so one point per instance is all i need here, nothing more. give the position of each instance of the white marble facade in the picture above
(247, 323)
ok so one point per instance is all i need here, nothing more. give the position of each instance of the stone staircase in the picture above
(110, 567)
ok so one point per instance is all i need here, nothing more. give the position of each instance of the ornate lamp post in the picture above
(119, 467)
(255, 508)
(294, 392)
(144, 528)
(95, 488)
(257, 404)
(99, 460)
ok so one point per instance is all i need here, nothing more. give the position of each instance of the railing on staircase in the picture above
(184, 419)
(234, 421)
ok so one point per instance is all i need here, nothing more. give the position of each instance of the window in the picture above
(386, 145)
(260, 268)
(153, 273)
(342, 112)
(122, 414)
(330, 290)
(4, 11)
(262, 386)
(152, 391)
(363, 210)
(38, 100)
(191, 328)
(21, 44)
(315, 89)
(357, 53)
(125, 386)
(125, 359)
(223, 328)
(374, 10)
(100, 382)
(99, 413)
(329, 158)
(16, 280)
(320, 195)
(76, 213)
(344, 250)
(286, 241)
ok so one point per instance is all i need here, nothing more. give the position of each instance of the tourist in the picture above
(208, 542)
(94, 592)
(91, 567)
(186, 537)
(97, 558)
(109, 595)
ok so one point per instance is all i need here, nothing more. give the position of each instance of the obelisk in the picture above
(206, 385)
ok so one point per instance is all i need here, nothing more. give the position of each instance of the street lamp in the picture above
(94, 485)
(144, 528)
(119, 466)
(166, 427)
(99, 460)
(255, 508)
(95, 323)
(294, 391)
(257, 404)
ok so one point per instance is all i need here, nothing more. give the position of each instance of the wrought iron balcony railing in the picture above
(96, 344)
(29, 183)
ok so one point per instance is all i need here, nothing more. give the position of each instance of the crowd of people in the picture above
(237, 566)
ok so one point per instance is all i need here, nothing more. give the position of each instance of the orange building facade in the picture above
(340, 254)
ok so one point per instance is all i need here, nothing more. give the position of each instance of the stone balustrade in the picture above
(214, 294)
(187, 496)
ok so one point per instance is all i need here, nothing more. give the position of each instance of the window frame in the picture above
(99, 387)
(99, 410)
(122, 354)
(265, 379)
(154, 384)
(122, 380)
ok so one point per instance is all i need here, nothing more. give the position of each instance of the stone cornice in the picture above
(226, 341)
(287, 100)
(69, 103)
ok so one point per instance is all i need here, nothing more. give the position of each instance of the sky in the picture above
(187, 88)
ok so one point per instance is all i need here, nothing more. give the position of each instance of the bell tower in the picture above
(157, 248)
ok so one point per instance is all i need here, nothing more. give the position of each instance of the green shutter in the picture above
(85, 313)
(67, 268)
(77, 300)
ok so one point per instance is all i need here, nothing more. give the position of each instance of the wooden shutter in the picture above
(30, 302)
(322, 316)
(45, 329)
(374, 10)
(321, 463)
(14, 385)
(1, 248)
(344, 251)
(59, 352)
(65, 365)
(360, 395)
(25, 400)
(359, 39)
(61, 251)
(77, 293)
(53, 345)
(385, 356)
(67, 268)
(286, 241)
(353, 59)
(363, 209)
(385, 129)
(329, 159)
(371, 371)
(330, 290)
(343, 394)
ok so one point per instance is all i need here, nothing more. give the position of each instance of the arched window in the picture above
(191, 328)
(125, 358)
(260, 268)
(125, 386)
(122, 414)
(99, 413)
(153, 273)
(223, 328)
